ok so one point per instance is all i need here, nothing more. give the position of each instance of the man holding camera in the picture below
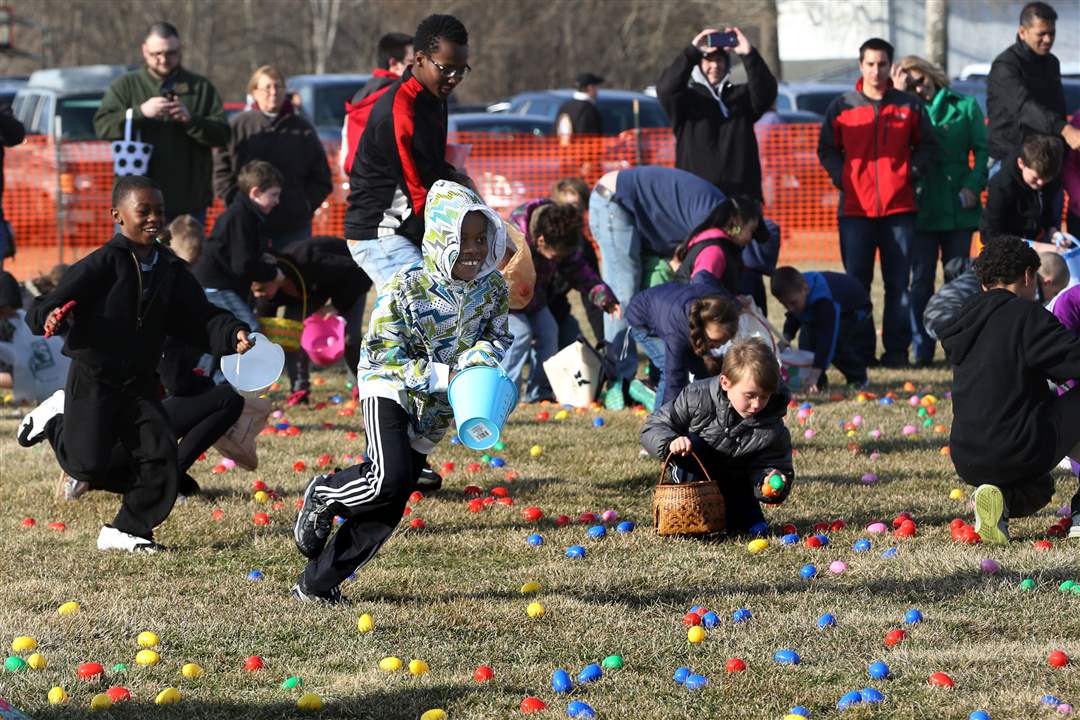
(176, 111)
(713, 118)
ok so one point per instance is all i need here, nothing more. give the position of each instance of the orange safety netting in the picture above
(56, 196)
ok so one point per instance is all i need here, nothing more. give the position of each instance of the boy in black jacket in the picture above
(1009, 428)
(127, 296)
(1020, 199)
(235, 255)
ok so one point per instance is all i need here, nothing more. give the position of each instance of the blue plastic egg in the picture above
(625, 526)
(497, 462)
(878, 670)
(806, 405)
(681, 674)
(790, 539)
(823, 538)
(710, 619)
(455, 440)
(979, 715)
(912, 616)
(590, 673)
(598, 422)
(561, 682)
(870, 695)
(580, 709)
(759, 528)
(826, 621)
(1050, 700)
(799, 710)
(741, 615)
(575, 551)
(862, 545)
(697, 609)
(281, 425)
(597, 532)
(337, 399)
(886, 401)
(695, 682)
(850, 698)
(807, 572)
(787, 657)
(890, 552)
(535, 539)
(255, 575)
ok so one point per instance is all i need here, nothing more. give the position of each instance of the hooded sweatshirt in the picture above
(1003, 349)
(425, 322)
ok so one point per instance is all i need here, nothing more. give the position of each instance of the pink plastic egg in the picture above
(837, 567)
(910, 430)
(869, 479)
(989, 566)
(875, 434)
(876, 527)
(810, 433)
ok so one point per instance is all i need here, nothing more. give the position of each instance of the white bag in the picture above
(238, 442)
(574, 374)
(38, 367)
(131, 156)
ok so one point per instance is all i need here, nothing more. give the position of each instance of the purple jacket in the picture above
(574, 271)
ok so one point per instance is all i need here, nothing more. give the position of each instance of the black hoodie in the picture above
(119, 333)
(1003, 349)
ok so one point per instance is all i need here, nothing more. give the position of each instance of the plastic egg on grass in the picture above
(837, 567)
(597, 532)
(536, 451)
(989, 566)
(757, 545)
(89, 671)
(57, 696)
(868, 479)
(532, 705)
(36, 661)
(575, 551)
(787, 657)
(101, 701)
(862, 545)
(696, 634)
(876, 527)
(894, 637)
(148, 639)
(309, 702)
(68, 609)
(913, 616)
(168, 696)
(807, 572)
(979, 715)
(940, 679)
(695, 681)
(681, 674)
(118, 694)
(580, 709)
(624, 527)
(390, 664)
(147, 658)
(418, 667)
(1027, 584)
(878, 670)
(254, 663)
(14, 664)
(1057, 659)
(535, 610)
(23, 643)
(484, 673)
(365, 623)
(433, 714)
(590, 673)
(956, 494)
(292, 682)
(710, 619)
(741, 615)
(612, 662)
(191, 671)
(735, 665)
(530, 587)
(561, 682)
(826, 621)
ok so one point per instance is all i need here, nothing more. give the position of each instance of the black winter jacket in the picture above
(1003, 349)
(118, 335)
(722, 150)
(1014, 208)
(233, 256)
(328, 272)
(755, 444)
(1024, 97)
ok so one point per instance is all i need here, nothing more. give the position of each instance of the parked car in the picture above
(323, 98)
(9, 85)
(500, 123)
(811, 97)
(65, 97)
(621, 109)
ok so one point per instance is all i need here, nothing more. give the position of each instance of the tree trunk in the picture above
(937, 34)
(324, 23)
(770, 39)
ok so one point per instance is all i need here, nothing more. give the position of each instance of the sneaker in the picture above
(32, 427)
(298, 397)
(991, 521)
(429, 480)
(112, 539)
(301, 593)
(613, 397)
(643, 394)
(313, 522)
(72, 489)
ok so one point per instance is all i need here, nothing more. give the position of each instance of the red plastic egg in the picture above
(837, 525)
(533, 704)
(735, 665)
(118, 694)
(324, 460)
(532, 513)
(258, 485)
(89, 671)
(1042, 545)
(488, 501)
(483, 674)
(788, 529)
(894, 637)
(29, 522)
(292, 430)
(219, 469)
(474, 467)
(261, 518)
(447, 468)
(500, 491)
(506, 501)
(417, 524)
(351, 435)
(57, 526)
(940, 679)
(416, 496)
(299, 466)
(956, 523)
(407, 511)
(1057, 659)
(702, 611)
(587, 517)
(691, 618)
(476, 505)
(253, 663)
(562, 520)
(217, 514)
(1056, 531)
(821, 527)
(472, 490)
(813, 542)
(542, 415)
(511, 475)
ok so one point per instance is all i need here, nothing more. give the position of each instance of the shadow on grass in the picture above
(406, 703)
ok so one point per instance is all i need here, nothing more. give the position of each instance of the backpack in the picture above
(732, 270)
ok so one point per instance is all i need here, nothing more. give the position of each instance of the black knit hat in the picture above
(10, 294)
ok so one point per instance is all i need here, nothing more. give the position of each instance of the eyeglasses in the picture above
(450, 73)
(170, 54)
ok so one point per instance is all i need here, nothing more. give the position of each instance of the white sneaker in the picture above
(32, 427)
(112, 539)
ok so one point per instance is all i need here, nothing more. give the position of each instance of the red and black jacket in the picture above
(358, 110)
(874, 151)
(401, 155)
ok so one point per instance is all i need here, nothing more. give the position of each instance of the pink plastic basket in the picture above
(323, 339)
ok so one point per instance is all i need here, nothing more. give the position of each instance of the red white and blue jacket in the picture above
(874, 150)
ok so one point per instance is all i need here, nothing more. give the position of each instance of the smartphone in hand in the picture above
(721, 40)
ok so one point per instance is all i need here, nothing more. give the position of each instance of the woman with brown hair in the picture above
(272, 130)
(948, 193)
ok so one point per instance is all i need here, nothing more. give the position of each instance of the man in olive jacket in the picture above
(176, 111)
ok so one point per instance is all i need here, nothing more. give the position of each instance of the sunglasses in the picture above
(451, 72)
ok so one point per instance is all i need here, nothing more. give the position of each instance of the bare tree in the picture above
(937, 32)
(324, 26)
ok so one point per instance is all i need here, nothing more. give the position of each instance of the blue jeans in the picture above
(860, 239)
(536, 338)
(655, 350)
(620, 267)
(279, 240)
(924, 259)
(382, 257)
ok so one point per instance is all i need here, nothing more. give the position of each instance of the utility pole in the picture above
(937, 33)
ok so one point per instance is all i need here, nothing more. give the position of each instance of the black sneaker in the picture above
(429, 480)
(313, 522)
(301, 593)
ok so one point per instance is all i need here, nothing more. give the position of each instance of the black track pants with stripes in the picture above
(371, 497)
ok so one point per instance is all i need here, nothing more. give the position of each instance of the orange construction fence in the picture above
(56, 195)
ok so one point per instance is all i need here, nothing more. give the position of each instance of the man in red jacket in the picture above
(875, 141)
(395, 54)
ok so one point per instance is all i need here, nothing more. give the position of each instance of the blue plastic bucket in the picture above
(1072, 260)
(482, 398)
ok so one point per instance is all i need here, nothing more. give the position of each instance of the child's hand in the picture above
(614, 309)
(680, 446)
(57, 316)
(243, 341)
(812, 378)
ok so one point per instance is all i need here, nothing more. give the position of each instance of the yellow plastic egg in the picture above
(191, 671)
(536, 451)
(23, 643)
(101, 701)
(58, 696)
(364, 623)
(434, 714)
(309, 702)
(757, 545)
(696, 634)
(562, 415)
(147, 657)
(535, 610)
(168, 696)
(792, 716)
(529, 588)
(956, 494)
(418, 667)
(68, 608)
(147, 639)
(36, 661)
(390, 664)
(262, 496)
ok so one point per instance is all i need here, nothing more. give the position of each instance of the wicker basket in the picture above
(695, 508)
(279, 329)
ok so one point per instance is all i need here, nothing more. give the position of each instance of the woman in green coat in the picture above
(948, 194)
